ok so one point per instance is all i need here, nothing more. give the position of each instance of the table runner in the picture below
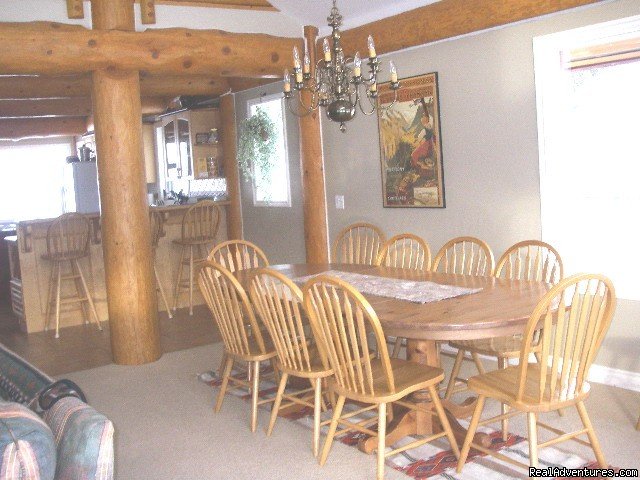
(413, 291)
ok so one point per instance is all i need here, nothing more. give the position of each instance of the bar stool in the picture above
(68, 241)
(199, 227)
(156, 221)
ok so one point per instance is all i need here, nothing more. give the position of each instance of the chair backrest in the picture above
(230, 308)
(278, 302)
(405, 251)
(156, 221)
(531, 260)
(573, 317)
(200, 221)
(343, 321)
(235, 255)
(465, 256)
(358, 244)
(68, 236)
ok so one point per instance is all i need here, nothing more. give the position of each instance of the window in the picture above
(589, 153)
(273, 189)
(32, 184)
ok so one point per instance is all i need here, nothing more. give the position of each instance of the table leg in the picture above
(413, 422)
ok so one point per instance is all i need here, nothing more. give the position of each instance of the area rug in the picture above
(435, 460)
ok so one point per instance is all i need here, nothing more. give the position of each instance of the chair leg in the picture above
(176, 289)
(444, 420)
(382, 438)
(502, 364)
(58, 293)
(52, 277)
(161, 288)
(191, 280)
(79, 292)
(277, 402)
(473, 426)
(88, 294)
(593, 439)
(225, 381)
(532, 418)
(255, 392)
(337, 411)
(455, 371)
(317, 411)
(223, 364)
(478, 362)
(396, 347)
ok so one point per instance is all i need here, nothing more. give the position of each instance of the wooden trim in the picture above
(447, 19)
(20, 128)
(55, 48)
(75, 9)
(147, 12)
(235, 4)
(607, 53)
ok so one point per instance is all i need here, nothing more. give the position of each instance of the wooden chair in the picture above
(279, 304)
(530, 260)
(243, 341)
(199, 228)
(342, 321)
(237, 255)
(156, 221)
(404, 251)
(358, 244)
(465, 256)
(572, 319)
(68, 241)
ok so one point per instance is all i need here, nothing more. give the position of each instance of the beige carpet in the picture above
(166, 428)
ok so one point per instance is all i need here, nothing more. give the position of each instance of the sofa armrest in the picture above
(19, 380)
(84, 440)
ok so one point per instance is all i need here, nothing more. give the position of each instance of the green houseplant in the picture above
(256, 145)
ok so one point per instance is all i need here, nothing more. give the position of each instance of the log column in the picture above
(229, 149)
(312, 168)
(128, 259)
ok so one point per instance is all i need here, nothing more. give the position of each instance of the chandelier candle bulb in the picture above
(372, 47)
(287, 81)
(306, 66)
(394, 72)
(296, 58)
(327, 50)
(374, 87)
(357, 65)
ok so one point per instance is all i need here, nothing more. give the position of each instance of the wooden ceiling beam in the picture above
(55, 48)
(447, 19)
(75, 9)
(236, 4)
(67, 107)
(20, 128)
(148, 11)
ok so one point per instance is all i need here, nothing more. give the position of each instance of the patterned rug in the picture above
(434, 460)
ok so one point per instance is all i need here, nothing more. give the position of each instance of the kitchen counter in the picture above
(35, 271)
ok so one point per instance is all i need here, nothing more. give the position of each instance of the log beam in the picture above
(230, 165)
(54, 48)
(66, 107)
(32, 86)
(126, 236)
(148, 11)
(75, 9)
(313, 183)
(447, 19)
(20, 128)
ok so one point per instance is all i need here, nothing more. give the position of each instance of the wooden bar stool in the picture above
(156, 221)
(199, 227)
(68, 241)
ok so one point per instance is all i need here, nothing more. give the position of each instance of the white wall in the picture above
(490, 150)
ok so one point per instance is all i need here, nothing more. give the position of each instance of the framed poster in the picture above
(411, 144)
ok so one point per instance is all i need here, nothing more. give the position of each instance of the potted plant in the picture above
(256, 145)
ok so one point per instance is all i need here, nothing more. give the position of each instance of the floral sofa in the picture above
(69, 441)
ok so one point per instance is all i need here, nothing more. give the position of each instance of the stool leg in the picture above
(79, 291)
(176, 291)
(161, 288)
(190, 279)
(89, 299)
(52, 276)
(58, 286)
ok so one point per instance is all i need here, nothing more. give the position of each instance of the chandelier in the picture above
(336, 83)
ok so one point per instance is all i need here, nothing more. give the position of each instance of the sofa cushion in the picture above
(19, 380)
(27, 448)
(84, 440)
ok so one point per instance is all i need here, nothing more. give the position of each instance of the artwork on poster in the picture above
(411, 144)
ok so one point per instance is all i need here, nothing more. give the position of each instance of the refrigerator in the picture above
(81, 188)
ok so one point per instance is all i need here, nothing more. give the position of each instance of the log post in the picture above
(126, 238)
(312, 168)
(229, 149)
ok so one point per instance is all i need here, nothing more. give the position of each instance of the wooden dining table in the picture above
(500, 308)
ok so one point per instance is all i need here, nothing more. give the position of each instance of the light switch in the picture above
(340, 202)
